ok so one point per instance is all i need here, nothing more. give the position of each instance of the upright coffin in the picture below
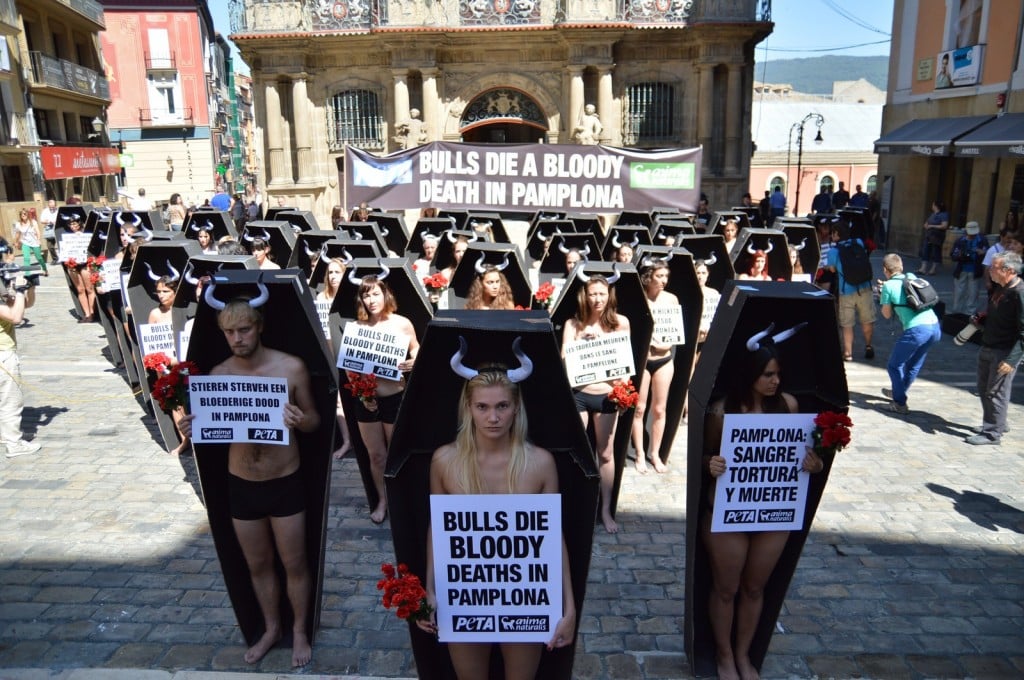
(812, 371)
(291, 325)
(428, 419)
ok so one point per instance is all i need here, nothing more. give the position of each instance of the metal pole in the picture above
(799, 165)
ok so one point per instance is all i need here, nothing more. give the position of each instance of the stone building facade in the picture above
(661, 73)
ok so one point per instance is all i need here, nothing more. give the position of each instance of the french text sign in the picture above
(668, 325)
(369, 350)
(605, 357)
(497, 566)
(74, 245)
(238, 409)
(763, 488)
(111, 275)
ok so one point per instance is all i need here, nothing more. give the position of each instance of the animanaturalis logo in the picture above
(646, 175)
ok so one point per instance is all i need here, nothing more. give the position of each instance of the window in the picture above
(968, 23)
(777, 181)
(42, 117)
(871, 184)
(649, 119)
(826, 183)
(354, 118)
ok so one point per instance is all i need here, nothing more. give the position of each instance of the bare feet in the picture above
(727, 670)
(182, 448)
(302, 653)
(609, 524)
(641, 464)
(345, 448)
(659, 467)
(379, 513)
(260, 649)
(747, 670)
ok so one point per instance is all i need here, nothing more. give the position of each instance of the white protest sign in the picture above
(497, 566)
(323, 311)
(373, 351)
(184, 337)
(157, 337)
(763, 488)
(604, 357)
(111, 275)
(707, 313)
(74, 245)
(668, 325)
(238, 409)
(125, 276)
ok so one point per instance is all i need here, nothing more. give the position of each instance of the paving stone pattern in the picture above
(913, 569)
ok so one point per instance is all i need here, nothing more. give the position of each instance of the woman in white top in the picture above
(29, 236)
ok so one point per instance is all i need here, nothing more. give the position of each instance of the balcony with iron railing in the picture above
(65, 75)
(161, 63)
(153, 118)
(252, 17)
(17, 131)
(89, 9)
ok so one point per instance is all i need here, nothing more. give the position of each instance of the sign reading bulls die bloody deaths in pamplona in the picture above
(525, 177)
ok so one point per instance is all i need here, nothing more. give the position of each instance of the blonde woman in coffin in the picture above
(657, 376)
(492, 455)
(596, 316)
(376, 307)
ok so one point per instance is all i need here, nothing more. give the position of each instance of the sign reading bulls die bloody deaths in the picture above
(763, 488)
(372, 351)
(497, 566)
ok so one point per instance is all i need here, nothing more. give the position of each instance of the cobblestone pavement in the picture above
(913, 568)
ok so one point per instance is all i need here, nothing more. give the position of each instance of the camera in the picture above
(10, 271)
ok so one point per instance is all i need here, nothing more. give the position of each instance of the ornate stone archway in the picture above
(468, 104)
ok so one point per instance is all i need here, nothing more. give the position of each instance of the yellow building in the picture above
(661, 73)
(953, 124)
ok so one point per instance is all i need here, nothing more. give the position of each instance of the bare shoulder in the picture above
(541, 473)
(791, 403)
(717, 408)
(440, 469)
(623, 322)
(670, 298)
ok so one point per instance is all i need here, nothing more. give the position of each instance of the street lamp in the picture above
(819, 120)
(97, 129)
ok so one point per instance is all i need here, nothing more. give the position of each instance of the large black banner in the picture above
(524, 177)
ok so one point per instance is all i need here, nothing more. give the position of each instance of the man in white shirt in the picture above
(48, 218)
(140, 204)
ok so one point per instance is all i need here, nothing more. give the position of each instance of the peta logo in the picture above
(385, 372)
(265, 434)
(472, 624)
(739, 517)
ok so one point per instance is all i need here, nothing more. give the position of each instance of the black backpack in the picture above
(855, 261)
(920, 294)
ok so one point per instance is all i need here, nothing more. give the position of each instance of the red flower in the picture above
(71, 262)
(544, 293)
(362, 385)
(623, 394)
(831, 432)
(404, 591)
(171, 387)
(157, 361)
(435, 282)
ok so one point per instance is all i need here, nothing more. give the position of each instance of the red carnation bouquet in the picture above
(94, 265)
(831, 432)
(544, 293)
(623, 394)
(404, 591)
(362, 386)
(71, 263)
(435, 283)
(171, 386)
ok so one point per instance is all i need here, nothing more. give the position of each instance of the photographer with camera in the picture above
(17, 295)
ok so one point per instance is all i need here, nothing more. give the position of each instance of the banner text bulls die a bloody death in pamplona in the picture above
(524, 177)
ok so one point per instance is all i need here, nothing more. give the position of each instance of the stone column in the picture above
(605, 107)
(734, 120)
(705, 108)
(401, 94)
(303, 130)
(431, 103)
(576, 102)
(275, 138)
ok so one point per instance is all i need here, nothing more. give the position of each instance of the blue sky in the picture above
(803, 28)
